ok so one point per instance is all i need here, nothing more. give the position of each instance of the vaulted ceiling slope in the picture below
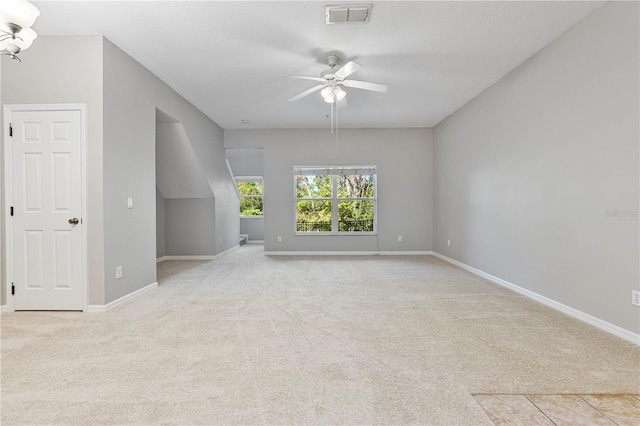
(229, 58)
(178, 173)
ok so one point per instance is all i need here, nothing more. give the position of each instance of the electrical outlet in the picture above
(129, 203)
(448, 242)
(279, 239)
(635, 297)
(118, 272)
(400, 238)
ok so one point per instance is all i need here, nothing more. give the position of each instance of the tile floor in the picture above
(561, 409)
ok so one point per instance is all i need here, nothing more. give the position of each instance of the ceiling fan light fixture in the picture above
(326, 92)
(329, 99)
(331, 94)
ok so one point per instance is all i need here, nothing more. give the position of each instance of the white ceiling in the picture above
(229, 58)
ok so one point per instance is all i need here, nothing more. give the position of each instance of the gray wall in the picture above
(121, 98)
(253, 227)
(161, 247)
(67, 70)
(405, 183)
(178, 171)
(246, 162)
(526, 172)
(189, 226)
(131, 96)
(2, 204)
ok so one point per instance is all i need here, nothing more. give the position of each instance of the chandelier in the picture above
(16, 19)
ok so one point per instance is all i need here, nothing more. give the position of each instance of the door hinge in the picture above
(11, 210)
(13, 289)
(10, 130)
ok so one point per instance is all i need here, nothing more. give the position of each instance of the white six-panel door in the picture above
(46, 190)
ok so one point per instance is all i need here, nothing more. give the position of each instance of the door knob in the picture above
(74, 221)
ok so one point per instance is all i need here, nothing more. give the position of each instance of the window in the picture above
(335, 200)
(251, 189)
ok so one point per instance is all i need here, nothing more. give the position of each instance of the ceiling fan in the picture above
(332, 79)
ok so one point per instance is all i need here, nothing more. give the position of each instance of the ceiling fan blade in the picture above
(347, 69)
(366, 85)
(303, 77)
(306, 92)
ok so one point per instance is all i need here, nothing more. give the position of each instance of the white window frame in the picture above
(333, 171)
(250, 179)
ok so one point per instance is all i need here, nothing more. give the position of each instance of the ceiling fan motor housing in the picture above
(333, 60)
(328, 74)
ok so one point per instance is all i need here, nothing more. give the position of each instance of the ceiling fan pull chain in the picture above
(332, 117)
(335, 105)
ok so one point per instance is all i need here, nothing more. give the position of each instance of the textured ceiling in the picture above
(229, 58)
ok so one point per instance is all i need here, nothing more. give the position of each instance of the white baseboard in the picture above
(575, 313)
(197, 257)
(4, 308)
(405, 253)
(347, 253)
(163, 258)
(120, 301)
(255, 241)
(320, 253)
(224, 253)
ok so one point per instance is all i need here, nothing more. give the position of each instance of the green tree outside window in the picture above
(251, 198)
(353, 203)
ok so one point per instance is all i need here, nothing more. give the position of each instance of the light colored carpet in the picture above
(252, 339)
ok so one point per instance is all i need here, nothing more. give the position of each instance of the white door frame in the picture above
(8, 191)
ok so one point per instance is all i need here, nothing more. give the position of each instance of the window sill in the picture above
(251, 217)
(336, 234)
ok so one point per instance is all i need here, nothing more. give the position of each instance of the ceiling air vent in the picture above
(348, 14)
